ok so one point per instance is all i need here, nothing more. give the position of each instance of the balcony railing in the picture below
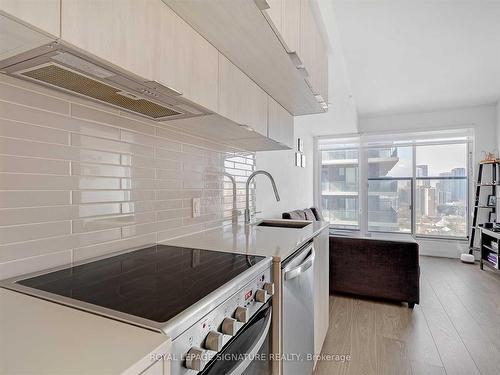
(341, 216)
(338, 187)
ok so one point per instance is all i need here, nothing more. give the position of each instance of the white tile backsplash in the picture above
(78, 180)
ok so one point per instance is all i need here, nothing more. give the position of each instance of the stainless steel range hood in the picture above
(63, 68)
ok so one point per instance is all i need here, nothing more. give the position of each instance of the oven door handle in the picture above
(242, 366)
(302, 267)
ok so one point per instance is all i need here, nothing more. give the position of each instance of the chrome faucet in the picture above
(234, 211)
(247, 191)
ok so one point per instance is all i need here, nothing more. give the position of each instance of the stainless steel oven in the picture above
(249, 352)
(207, 302)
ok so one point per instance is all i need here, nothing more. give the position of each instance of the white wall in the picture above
(295, 184)
(498, 125)
(483, 119)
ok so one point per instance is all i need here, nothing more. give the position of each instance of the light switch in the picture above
(196, 207)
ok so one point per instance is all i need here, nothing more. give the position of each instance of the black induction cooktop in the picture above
(155, 283)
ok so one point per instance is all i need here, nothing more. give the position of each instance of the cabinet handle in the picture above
(319, 98)
(296, 60)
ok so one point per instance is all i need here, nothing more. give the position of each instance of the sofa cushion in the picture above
(309, 214)
(316, 214)
(294, 215)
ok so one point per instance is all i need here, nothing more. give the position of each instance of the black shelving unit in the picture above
(478, 205)
(490, 242)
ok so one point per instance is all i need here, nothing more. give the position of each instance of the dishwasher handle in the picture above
(302, 267)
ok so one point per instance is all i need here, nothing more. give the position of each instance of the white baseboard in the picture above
(442, 248)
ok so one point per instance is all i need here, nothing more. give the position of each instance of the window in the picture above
(339, 183)
(441, 190)
(390, 189)
(413, 183)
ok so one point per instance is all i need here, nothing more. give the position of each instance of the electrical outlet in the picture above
(196, 207)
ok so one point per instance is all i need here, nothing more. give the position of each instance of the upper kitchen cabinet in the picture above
(43, 14)
(280, 124)
(290, 24)
(186, 62)
(122, 32)
(148, 39)
(285, 20)
(240, 99)
(312, 51)
(242, 31)
(296, 26)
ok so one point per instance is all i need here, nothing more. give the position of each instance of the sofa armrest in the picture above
(375, 268)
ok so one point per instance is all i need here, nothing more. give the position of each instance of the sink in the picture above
(295, 224)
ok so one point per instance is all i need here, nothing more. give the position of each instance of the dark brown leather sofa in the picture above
(386, 268)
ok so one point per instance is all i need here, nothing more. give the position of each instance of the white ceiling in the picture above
(420, 55)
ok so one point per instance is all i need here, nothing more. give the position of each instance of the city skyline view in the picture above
(439, 196)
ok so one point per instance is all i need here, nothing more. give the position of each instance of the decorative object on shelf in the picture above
(492, 217)
(489, 157)
(492, 200)
(488, 225)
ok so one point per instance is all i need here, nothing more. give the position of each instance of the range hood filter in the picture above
(63, 78)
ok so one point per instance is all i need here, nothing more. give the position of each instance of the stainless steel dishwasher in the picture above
(298, 311)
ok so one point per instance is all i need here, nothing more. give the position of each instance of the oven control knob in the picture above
(229, 326)
(269, 288)
(241, 314)
(261, 295)
(214, 341)
(196, 359)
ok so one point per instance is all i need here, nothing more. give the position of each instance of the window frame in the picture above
(355, 138)
(363, 181)
(410, 179)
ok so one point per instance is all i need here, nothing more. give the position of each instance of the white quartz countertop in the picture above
(41, 337)
(251, 239)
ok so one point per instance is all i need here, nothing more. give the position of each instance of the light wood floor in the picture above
(454, 330)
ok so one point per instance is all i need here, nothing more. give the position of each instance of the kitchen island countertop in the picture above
(278, 243)
(41, 337)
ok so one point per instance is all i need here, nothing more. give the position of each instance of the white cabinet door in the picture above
(295, 22)
(123, 32)
(185, 61)
(43, 14)
(280, 124)
(322, 67)
(148, 39)
(240, 99)
(291, 24)
(275, 14)
(321, 289)
(312, 51)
